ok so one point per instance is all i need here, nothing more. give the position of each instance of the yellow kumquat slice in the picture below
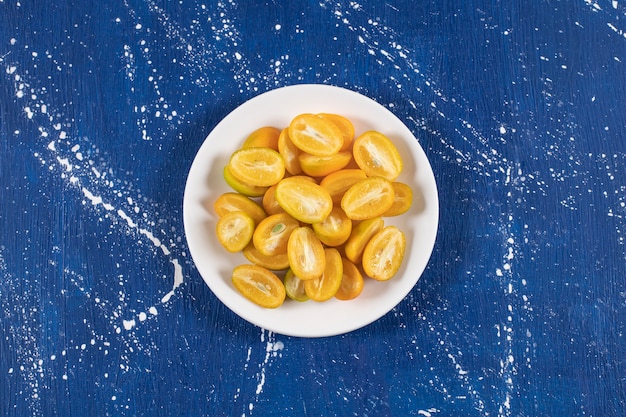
(272, 234)
(345, 126)
(384, 253)
(289, 152)
(335, 229)
(320, 166)
(306, 253)
(261, 167)
(361, 234)
(270, 205)
(229, 202)
(259, 285)
(402, 200)
(263, 137)
(326, 286)
(351, 282)
(315, 135)
(234, 230)
(304, 200)
(368, 198)
(376, 154)
(277, 262)
(338, 182)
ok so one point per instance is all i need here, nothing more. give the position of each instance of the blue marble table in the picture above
(520, 107)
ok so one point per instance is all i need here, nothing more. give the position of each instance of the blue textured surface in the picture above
(520, 107)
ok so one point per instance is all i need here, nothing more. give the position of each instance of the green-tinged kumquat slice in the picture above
(294, 287)
(242, 187)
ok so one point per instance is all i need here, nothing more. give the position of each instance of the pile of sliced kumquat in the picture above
(308, 204)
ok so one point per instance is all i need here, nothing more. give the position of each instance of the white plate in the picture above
(205, 183)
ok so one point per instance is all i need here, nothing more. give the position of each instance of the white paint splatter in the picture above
(178, 280)
(273, 349)
(22, 331)
(93, 184)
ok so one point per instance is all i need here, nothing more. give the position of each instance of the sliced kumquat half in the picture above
(402, 199)
(360, 236)
(305, 200)
(242, 187)
(320, 166)
(277, 262)
(376, 154)
(263, 137)
(289, 152)
(262, 167)
(315, 135)
(272, 235)
(234, 230)
(345, 126)
(326, 286)
(294, 287)
(335, 229)
(259, 285)
(270, 205)
(306, 253)
(229, 202)
(351, 283)
(338, 182)
(384, 253)
(368, 198)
